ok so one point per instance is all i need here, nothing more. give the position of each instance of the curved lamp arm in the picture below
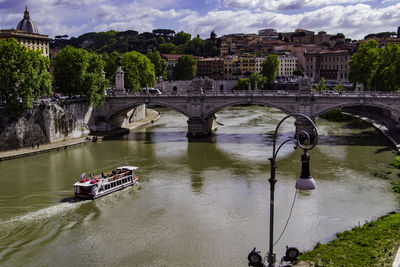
(298, 135)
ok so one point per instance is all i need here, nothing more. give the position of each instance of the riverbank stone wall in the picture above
(50, 122)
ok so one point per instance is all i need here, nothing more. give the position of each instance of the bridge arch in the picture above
(125, 108)
(215, 109)
(388, 109)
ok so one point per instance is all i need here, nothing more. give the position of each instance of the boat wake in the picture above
(45, 213)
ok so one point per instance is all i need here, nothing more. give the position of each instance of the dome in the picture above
(26, 24)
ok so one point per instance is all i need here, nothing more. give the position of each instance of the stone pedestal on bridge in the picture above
(119, 82)
(201, 127)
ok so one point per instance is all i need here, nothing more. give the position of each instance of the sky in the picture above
(353, 18)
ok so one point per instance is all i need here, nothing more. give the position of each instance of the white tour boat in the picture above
(105, 183)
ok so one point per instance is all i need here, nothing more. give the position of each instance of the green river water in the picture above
(200, 203)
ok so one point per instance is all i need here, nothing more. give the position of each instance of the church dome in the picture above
(26, 24)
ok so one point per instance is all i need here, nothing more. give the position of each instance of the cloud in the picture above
(354, 18)
(355, 21)
(274, 5)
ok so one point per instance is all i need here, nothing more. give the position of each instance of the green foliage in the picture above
(298, 72)
(396, 188)
(78, 72)
(24, 76)
(381, 35)
(160, 65)
(269, 68)
(257, 77)
(181, 38)
(168, 48)
(387, 74)
(370, 245)
(364, 63)
(139, 71)
(163, 40)
(337, 115)
(185, 68)
(396, 162)
(195, 47)
(243, 84)
(110, 65)
(376, 68)
(339, 87)
(321, 85)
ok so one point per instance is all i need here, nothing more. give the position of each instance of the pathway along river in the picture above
(201, 203)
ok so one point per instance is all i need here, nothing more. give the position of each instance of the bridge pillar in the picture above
(201, 127)
(304, 125)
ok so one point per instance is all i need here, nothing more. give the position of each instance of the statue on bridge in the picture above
(305, 85)
(201, 86)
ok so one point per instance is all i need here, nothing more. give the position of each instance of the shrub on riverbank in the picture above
(373, 244)
(337, 115)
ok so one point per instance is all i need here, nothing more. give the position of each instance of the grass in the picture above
(373, 244)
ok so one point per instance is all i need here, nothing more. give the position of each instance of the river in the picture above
(200, 203)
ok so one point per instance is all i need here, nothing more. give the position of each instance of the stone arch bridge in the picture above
(200, 107)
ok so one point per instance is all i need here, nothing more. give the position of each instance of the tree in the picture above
(185, 68)
(213, 36)
(139, 71)
(298, 72)
(160, 65)
(259, 79)
(195, 47)
(339, 87)
(24, 76)
(167, 48)
(78, 72)
(363, 64)
(181, 38)
(269, 68)
(321, 86)
(387, 74)
(110, 65)
(243, 84)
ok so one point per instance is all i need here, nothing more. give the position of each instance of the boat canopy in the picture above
(130, 168)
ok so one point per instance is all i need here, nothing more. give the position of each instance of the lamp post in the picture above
(305, 141)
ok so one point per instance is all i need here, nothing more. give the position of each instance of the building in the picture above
(287, 64)
(333, 65)
(230, 67)
(28, 35)
(268, 34)
(210, 67)
(299, 36)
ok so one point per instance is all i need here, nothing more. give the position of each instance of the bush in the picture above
(396, 162)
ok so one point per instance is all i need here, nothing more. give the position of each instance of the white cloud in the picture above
(355, 21)
(354, 18)
(273, 5)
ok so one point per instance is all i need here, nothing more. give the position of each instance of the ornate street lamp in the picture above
(305, 141)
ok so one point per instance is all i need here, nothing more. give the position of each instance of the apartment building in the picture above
(287, 64)
(211, 67)
(230, 67)
(333, 65)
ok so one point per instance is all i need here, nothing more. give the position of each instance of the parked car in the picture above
(331, 92)
(282, 92)
(152, 91)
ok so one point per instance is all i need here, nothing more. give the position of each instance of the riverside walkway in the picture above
(151, 116)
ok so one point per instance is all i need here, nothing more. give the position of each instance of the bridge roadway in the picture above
(380, 107)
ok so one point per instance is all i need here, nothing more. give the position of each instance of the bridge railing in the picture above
(280, 93)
